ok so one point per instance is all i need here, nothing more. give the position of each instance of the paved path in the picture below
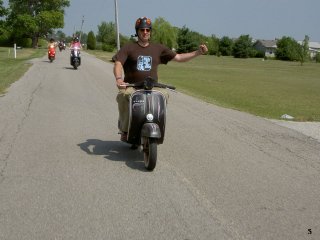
(221, 174)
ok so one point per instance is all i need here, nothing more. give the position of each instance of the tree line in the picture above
(28, 22)
(185, 40)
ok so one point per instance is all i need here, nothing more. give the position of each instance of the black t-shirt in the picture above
(140, 62)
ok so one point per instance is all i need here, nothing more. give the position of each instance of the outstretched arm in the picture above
(184, 57)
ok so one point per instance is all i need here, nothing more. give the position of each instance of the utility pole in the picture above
(117, 23)
(81, 28)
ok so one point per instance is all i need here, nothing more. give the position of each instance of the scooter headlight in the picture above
(149, 117)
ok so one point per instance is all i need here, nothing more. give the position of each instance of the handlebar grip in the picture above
(164, 86)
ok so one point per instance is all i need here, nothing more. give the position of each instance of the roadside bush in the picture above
(24, 42)
(287, 49)
(98, 46)
(42, 43)
(91, 41)
(317, 57)
(259, 54)
(243, 47)
(107, 48)
(5, 39)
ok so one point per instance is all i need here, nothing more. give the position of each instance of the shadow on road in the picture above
(114, 151)
(70, 68)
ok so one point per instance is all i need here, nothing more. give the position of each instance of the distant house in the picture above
(314, 48)
(268, 47)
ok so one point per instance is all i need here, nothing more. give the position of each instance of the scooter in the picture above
(75, 59)
(62, 46)
(147, 119)
(51, 53)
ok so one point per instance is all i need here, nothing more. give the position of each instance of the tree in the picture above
(243, 47)
(226, 46)
(3, 13)
(84, 38)
(164, 33)
(317, 57)
(188, 40)
(2, 9)
(213, 45)
(36, 18)
(303, 50)
(123, 40)
(61, 35)
(107, 34)
(287, 49)
(91, 41)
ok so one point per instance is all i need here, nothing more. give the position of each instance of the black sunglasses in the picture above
(144, 29)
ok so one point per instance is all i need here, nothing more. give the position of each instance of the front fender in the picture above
(150, 130)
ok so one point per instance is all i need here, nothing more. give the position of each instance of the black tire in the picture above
(150, 153)
(76, 64)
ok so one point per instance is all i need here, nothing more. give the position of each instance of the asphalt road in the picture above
(221, 174)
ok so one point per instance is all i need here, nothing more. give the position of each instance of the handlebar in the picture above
(149, 83)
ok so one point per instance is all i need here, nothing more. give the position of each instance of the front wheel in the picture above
(76, 64)
(150, 153)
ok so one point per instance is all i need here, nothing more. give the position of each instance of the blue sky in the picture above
(261, 19)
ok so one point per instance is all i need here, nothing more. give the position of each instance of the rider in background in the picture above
(52, 43)
(75, 43)
(75, 47)
(139, 60)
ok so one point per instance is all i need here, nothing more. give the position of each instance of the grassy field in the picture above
(105, 56)
(267, 88)
(12, 69)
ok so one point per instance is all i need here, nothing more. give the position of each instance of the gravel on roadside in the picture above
(311, 129)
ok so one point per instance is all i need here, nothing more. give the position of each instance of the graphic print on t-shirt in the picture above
(144, 63)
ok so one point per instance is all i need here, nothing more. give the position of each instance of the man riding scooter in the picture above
(138, 61)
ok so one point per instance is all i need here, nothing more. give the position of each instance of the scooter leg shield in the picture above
(150, 130)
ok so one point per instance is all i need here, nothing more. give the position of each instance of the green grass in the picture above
(103, 55)
(268, 88)
(11, 69)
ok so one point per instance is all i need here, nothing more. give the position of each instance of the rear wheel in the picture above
(150, 153)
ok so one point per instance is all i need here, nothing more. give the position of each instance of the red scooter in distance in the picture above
(51, 53)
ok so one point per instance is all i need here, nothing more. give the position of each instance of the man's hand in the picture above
(121, 84)
(203, 49)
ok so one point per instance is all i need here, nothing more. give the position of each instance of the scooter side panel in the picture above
(157, 106)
